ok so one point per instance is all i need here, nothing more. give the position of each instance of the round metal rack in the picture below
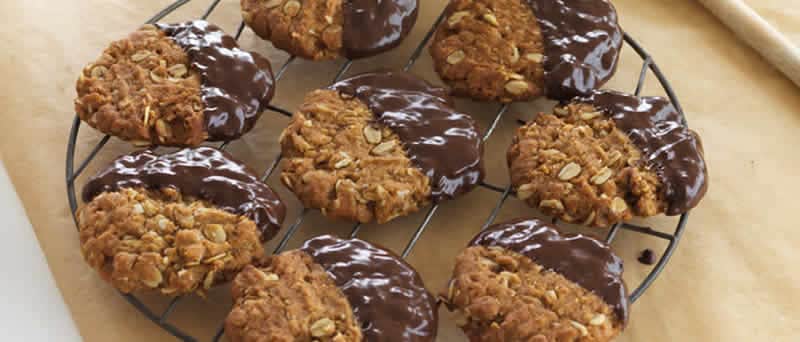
(160, 317)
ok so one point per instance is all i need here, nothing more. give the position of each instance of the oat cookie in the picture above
(177, 223)
(332, 290)
(174, 84)
(517, 50)
(327, 29)
(523, 281)
(378, 146)
(605, 158)
(290, 298)
(140, 239)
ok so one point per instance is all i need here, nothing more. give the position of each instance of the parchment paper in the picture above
(734, 276)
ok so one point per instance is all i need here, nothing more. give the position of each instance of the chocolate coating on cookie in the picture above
(372, 27)
(582, 44)
(582, 259)
(236, 85)
(388, 297)
(205, 173)
(668, 145)
(442, 142)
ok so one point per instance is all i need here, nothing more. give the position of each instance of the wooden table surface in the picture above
(734, 276)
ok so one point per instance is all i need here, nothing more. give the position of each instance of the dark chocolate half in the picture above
(582, 43)
(441, 141)
(388, 297)
(668, 146)
(582, 259)
(371, 27)
(205, 173)
(236, 85)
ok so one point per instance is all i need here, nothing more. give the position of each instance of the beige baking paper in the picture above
(734, 277)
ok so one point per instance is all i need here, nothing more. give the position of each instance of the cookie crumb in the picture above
(647, 257)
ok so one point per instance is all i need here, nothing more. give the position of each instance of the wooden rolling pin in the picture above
(759, 34)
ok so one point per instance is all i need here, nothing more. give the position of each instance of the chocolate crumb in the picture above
(647, 257)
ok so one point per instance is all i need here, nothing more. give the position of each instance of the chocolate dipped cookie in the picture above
(607, 157)
(332, 289)
(524, 281)
(176, 223)
(174, 84)
(378, 146)
(327, 29)
(517, 50)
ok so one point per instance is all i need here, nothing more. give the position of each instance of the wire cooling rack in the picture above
(160, 318)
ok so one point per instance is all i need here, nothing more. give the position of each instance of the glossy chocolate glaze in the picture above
(371, 27)
(388, 297)
(442, 142)
(204, 173)
(581, 259)
(673, 151)
(582, 42)
(236, 85)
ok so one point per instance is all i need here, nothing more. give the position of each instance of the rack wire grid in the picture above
(160, 318)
